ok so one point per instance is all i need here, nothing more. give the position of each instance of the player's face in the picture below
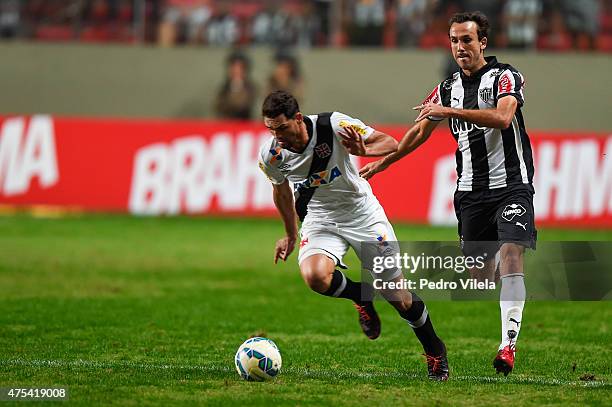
(285, 131)
(468, 51)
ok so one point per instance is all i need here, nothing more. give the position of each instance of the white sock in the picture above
(511, 304)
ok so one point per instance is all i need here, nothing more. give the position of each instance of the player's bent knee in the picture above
(317, 272)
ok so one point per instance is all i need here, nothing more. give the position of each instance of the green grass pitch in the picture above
(151, 310)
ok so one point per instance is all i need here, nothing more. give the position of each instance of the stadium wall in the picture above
(167, 167)
(564, 91)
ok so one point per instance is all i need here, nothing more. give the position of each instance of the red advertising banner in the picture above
(208, 167)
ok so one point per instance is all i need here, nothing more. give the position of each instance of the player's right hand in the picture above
(372, 168)
(284, 247)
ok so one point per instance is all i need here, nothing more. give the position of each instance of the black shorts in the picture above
(489, 218)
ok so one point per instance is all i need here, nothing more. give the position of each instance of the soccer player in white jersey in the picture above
(338, 210)
(494, 197)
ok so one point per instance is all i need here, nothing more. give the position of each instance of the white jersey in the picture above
(341, 194)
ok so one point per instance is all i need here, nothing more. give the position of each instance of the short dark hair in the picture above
(280, 102)
(476, 16)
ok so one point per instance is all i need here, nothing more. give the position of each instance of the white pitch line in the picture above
(292, 370)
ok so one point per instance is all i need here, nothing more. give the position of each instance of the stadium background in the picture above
(111, 304)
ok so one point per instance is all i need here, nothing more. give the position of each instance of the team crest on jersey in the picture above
(486, 94)
(323, 150)
(319, 178)
(276, 155)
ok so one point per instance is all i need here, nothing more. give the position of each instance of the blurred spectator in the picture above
(490, 8)
(520, 23)
(263, 22)
(555, 37)
(10, 16)
(582, 21)
(286, 76)
(183, 20)
(222, 29)
(309, 25)
(277, 25)
(411, 21)
(237, 95)
(100, 10)
(367, 23)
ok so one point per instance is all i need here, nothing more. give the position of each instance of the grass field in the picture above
(150, 311)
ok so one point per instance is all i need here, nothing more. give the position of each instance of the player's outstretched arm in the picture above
(376, 145)
(497, 118)
(283, 199)
(413, 138)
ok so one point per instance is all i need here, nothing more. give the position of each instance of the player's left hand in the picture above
(284, 247)
(352, 141)
(430, 109)
(370, 169)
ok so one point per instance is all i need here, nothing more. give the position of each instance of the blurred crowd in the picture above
(537, 24)
(237, 95)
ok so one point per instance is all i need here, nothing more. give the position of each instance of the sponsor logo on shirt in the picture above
(276, 155)
(319, 178)
(262, 167)
(356, 127)
(505, 84)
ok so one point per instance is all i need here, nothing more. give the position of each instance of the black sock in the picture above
(343, 287)
(418, 319)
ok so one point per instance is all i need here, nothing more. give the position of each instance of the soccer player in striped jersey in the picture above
(494, 197)
(338, 210)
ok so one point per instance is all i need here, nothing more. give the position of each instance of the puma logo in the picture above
(515, 321)
(521, 225)
(457, 99)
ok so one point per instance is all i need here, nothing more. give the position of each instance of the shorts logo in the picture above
(512, 211)
(485, 94)
(323, 150)
(382, 240)
(303, 242)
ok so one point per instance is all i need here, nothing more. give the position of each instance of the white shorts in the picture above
(334, 239)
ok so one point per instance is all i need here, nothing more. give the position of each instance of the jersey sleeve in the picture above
(434, 97)
(511, 83)
(270, 158)
(340, 121)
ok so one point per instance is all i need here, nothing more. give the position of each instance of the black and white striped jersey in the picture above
(487, 158)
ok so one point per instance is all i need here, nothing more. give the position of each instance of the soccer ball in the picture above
(258, 359)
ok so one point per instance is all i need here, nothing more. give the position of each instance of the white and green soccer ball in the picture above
(258, 359)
